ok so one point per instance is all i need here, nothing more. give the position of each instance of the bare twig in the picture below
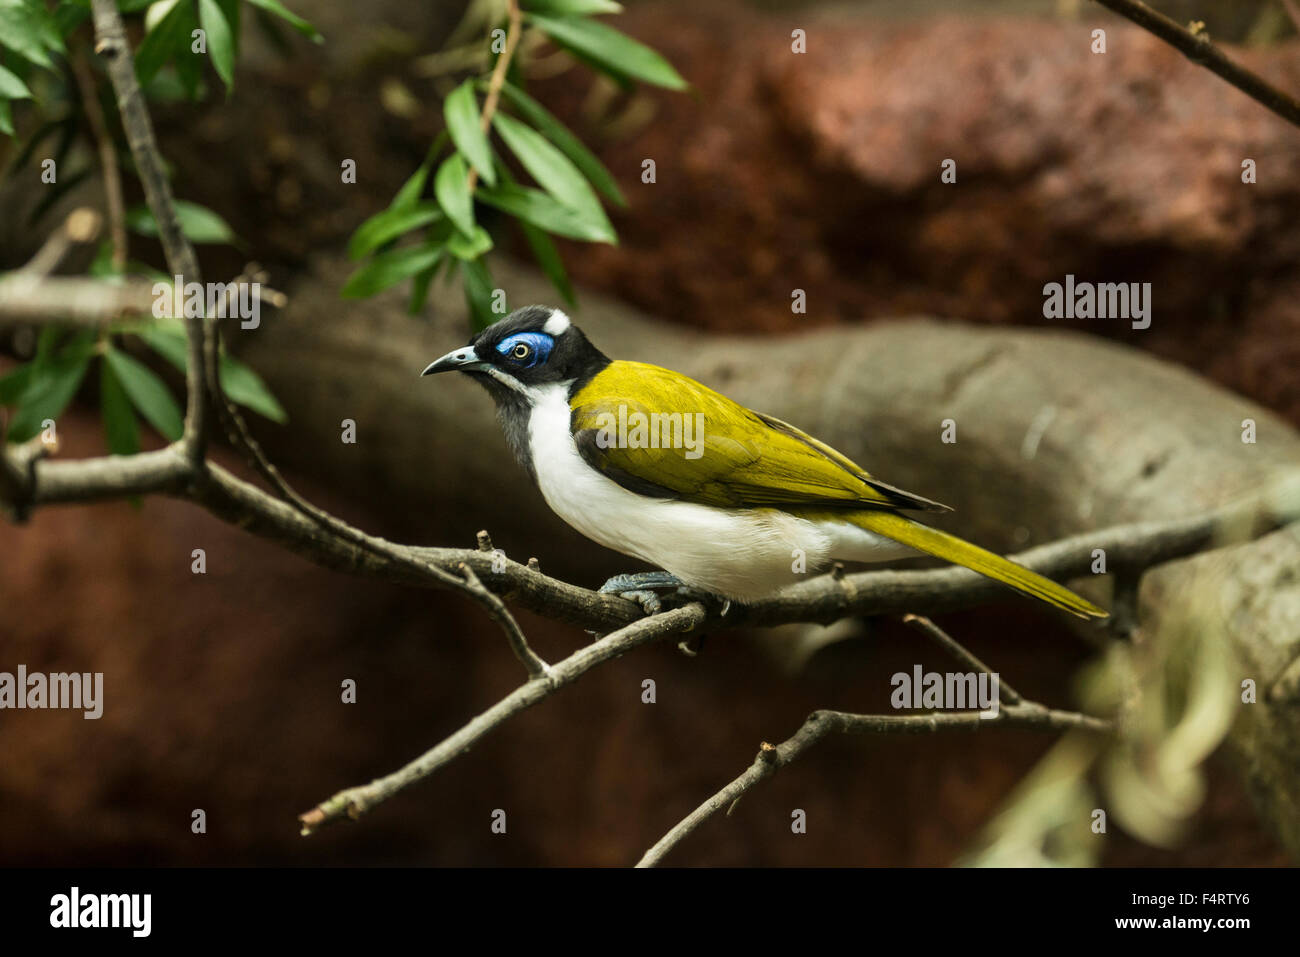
(81, 227)
(356, 801)
(771, 758)
(1198, 48)
(956, 650)
(537, 668)
(108, 167)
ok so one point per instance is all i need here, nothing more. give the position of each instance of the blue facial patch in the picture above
(539, 346)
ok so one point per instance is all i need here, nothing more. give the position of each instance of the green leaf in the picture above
(412, 189)
(548, 257)
(569, 145)
(420, 289)
(568, 8)
(148, 393)
(167, 38)
(389, 268)
(246, 387)
(167, 338)
(11, 87)
(51, 385)
(121, 431)
(540, 209)
(198, 223)
(14, 383)
(221, 40)
(288, 16)
(614, 51)
(451, 187)
(461, 113)
(25, 28)
(240, 383)
(388, 224)
(469, 247)
(6, 118)
(478, 293)
(552, 170)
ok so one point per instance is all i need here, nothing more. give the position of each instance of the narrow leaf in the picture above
(478, 293)
(451, 187)
(542, 210)
(11, 87)
(552, 170)
(614, 51)
(198, 223)
(148, 393)
(469, 247)
(121, 431)
(388, 269)
(389, 224)
(461, 113)
(246, 387)
(165, 38)
(570, 145)
(548, 257)
(22, 31)
(566, 8)
(239, 382)
(288, 16)
(221, 41)
(51, 386)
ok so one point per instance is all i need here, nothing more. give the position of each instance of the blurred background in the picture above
(775, 171)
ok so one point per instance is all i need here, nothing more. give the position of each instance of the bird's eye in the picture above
(521, 351)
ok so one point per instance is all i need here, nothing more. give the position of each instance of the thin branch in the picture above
(956, 650)
(81, 227)
(111, 44)
(771, 758)
(78, 301)
(536, 667)
(108, 167)
(498, 79)
(356, 801)
(1198, 48)
(823, 599)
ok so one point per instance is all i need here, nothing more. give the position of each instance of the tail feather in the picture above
(961, 552)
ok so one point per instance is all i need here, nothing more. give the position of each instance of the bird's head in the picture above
(529, 349)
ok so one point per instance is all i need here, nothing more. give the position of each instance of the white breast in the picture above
(738, 553)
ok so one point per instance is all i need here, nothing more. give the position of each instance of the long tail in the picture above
(961, 552)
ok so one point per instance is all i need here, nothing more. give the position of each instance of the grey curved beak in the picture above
(464, 359)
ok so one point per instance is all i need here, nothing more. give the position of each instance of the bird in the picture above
(724, 501)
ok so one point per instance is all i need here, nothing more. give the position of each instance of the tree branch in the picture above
(1015, 711)
(356, 801)
(111, 44)
(1198, 48)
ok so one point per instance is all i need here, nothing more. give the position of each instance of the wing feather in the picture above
(743, 459)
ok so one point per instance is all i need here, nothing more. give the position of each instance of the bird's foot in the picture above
(641, 587)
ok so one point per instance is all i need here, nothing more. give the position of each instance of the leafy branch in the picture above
(47, 63)
(418, 235)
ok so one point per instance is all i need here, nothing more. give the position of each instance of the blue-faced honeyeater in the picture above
(728, 501)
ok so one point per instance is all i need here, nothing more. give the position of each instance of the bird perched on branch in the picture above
(727, 501)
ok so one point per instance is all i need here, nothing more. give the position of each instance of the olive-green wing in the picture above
(699, 446)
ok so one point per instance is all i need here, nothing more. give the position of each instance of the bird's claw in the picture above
(639, 587)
